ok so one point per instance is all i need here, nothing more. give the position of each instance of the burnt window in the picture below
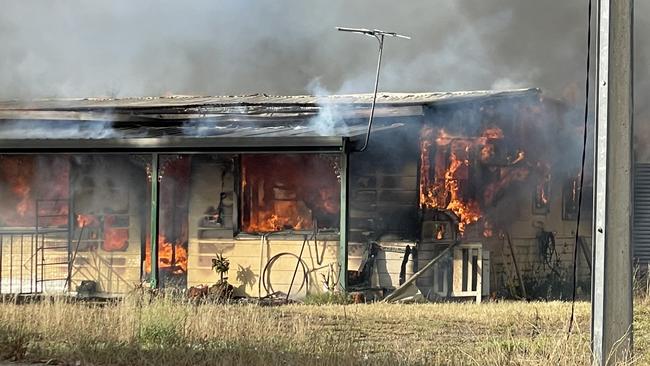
(541, 196)
(103, 189)
(571, 196)
(289, 192)
(34, 190)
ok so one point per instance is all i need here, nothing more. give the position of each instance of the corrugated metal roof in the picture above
(86, 104)
(85, 137)
(188, 118)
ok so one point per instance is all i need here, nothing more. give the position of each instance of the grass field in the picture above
(175, 332)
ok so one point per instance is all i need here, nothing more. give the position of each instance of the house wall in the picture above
(248, 254)
(115, 272)
(19, 267)
(110, 185)
(383, 201)
(37, 260)
(549, 132)
(383, 207)
(384, 197)
(523, 233)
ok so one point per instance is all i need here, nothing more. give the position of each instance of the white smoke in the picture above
(507, 83)
(57, 130)
(329, 121)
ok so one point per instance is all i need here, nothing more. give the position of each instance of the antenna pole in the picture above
(379, 35)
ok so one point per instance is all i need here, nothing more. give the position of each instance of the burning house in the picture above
(100, 195)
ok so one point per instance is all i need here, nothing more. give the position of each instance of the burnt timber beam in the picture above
(176, 145)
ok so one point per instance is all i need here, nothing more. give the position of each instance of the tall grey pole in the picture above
(611, 324)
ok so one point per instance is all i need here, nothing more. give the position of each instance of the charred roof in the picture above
(229, 122)
(255, 106)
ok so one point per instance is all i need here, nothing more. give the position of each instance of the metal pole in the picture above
(35, 263)
(36, 230)
(611, 328)
(71, 222)
(11, 265)
(380, 38)
(22, 241)
(42, 263)
(379, 35)
(1, 245)
(343, 225)
(154, 220)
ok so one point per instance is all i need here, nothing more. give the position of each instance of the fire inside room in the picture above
(456, 194)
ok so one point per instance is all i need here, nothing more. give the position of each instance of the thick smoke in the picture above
(123, 48)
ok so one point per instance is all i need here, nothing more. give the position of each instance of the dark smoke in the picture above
(123, 48)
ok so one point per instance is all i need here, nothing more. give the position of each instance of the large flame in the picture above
(467, 174)
(289, 192)
(114, 238)
(171, 256)
(444, 189)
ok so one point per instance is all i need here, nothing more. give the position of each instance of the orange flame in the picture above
(171, 256)
(288, 192)
(507, 177)
(18, 174)
(87, 220)
(488, 231)
(22, 189)
(445, 191)
(541, 192)
(24, 179)
(440, 232)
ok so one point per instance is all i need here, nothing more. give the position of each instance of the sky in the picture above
(120, 48)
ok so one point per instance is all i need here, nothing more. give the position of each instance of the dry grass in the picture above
(174, 332)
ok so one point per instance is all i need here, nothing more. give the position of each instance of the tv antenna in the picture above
(379, 35)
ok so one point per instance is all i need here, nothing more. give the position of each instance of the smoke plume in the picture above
(146, 48)
(121, 48)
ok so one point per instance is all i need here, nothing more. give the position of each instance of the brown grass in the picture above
(174, 332)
